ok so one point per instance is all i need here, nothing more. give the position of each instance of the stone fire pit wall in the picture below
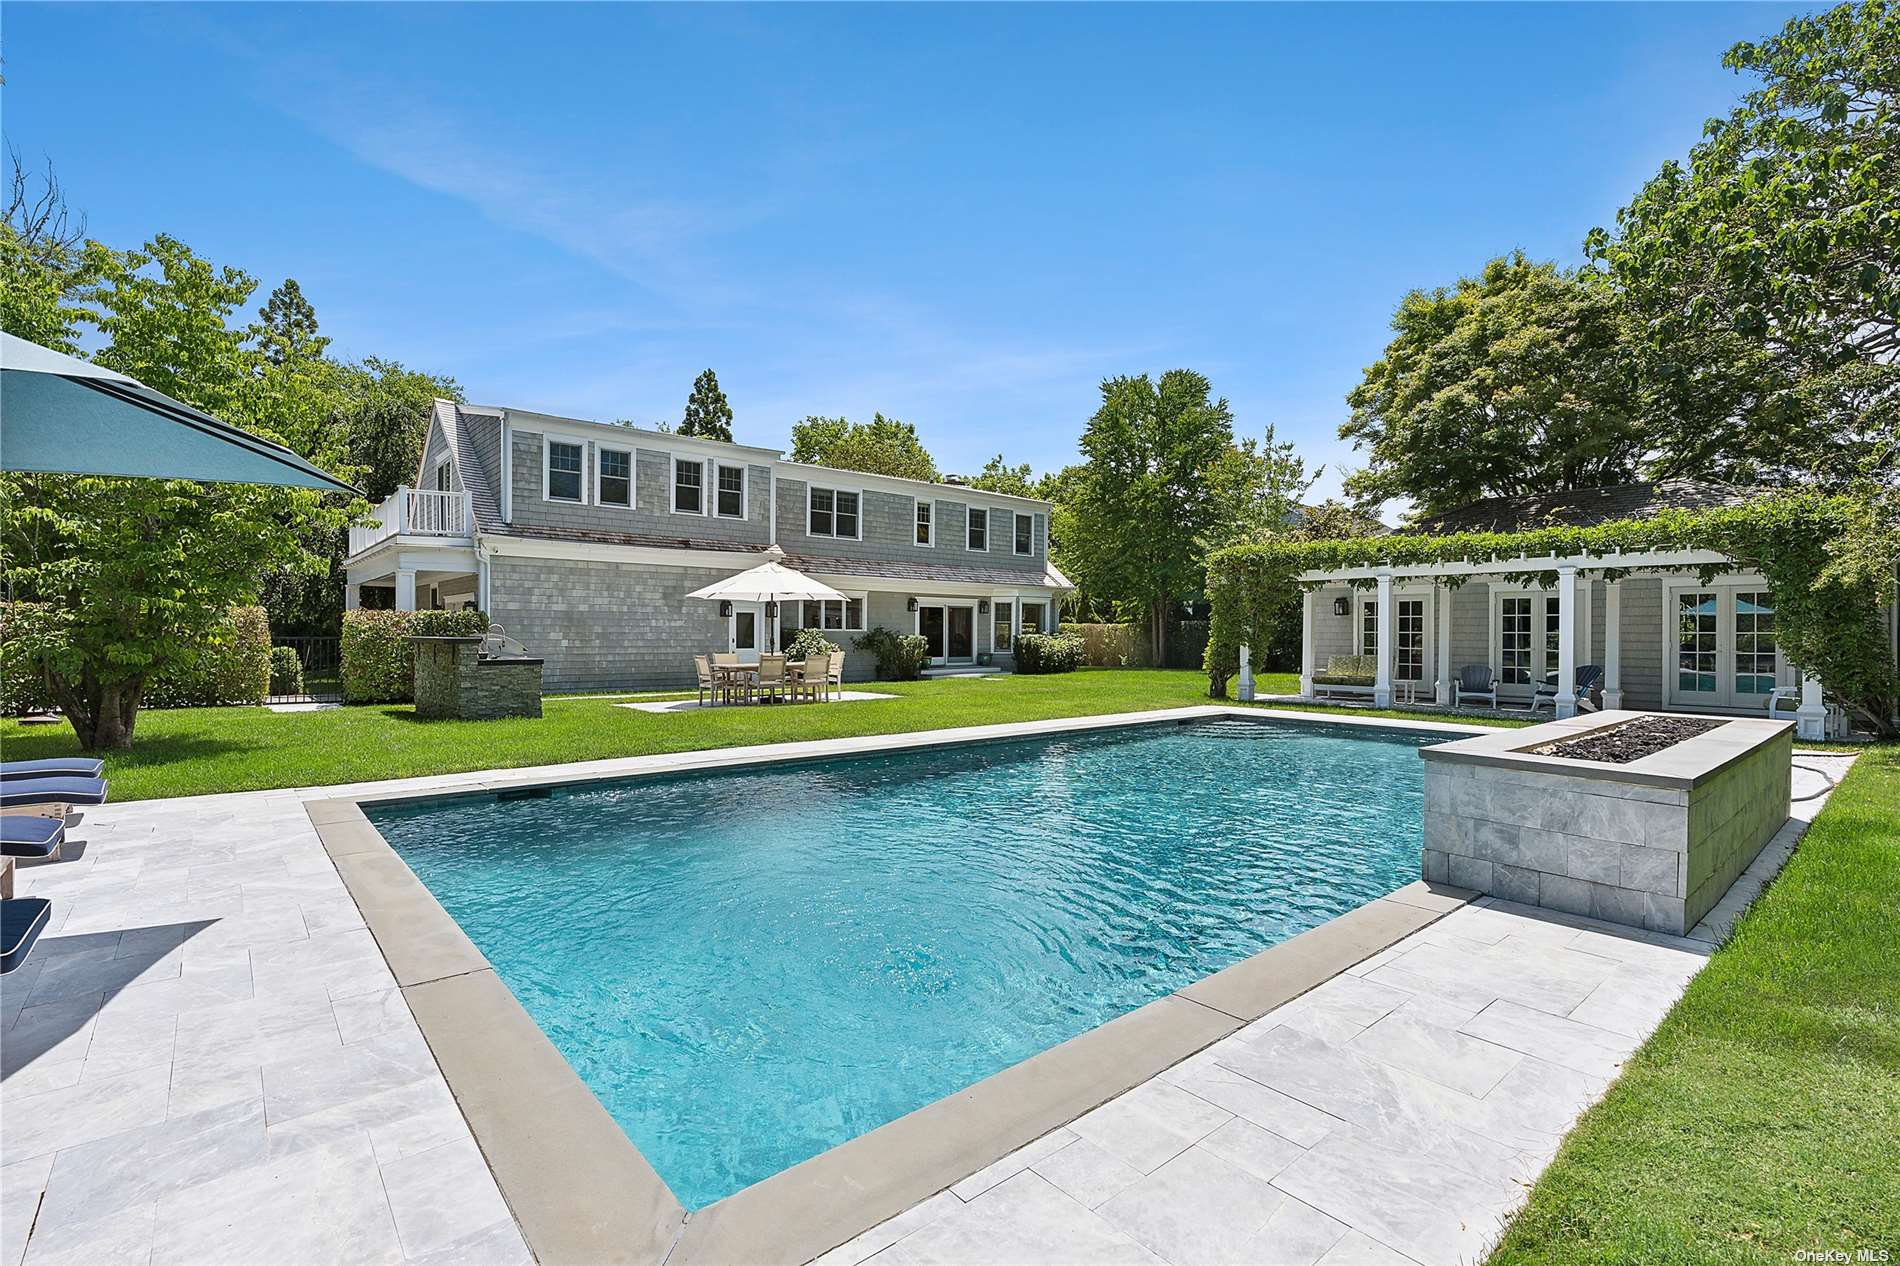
(454, 681)
(1653, 844)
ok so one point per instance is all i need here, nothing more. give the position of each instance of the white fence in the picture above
(414, 512)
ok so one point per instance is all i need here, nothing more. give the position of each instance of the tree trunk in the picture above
(102, 713)
(1158, 631)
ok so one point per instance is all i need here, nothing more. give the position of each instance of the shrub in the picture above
(811, 642)
(286, 671)
(23, 686)
(1110, 645)
(233, 666)
(379, 660)
(1046, 653)
(899, 657)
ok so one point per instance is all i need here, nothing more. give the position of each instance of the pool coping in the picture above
(582, 1192)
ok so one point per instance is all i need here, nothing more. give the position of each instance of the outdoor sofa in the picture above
(1347, 675)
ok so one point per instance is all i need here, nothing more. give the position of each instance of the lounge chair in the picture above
(1588, 675)
(25, 836)
(708, 684)
(53, 767)
(1475, 681)
(22, 919)
(1347, 675)
(27, 793)
(834, 673)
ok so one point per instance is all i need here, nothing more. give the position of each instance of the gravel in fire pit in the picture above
(1633, 740)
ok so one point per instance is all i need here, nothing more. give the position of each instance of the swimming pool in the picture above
(750, 967)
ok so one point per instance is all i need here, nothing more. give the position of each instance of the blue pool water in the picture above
(751, 967)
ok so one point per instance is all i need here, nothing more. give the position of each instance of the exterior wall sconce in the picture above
(983, 606)
(1341, 606)
(725, 609)
(771, 610)
(911, 605)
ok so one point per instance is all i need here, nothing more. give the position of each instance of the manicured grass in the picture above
(195, 751)
(1763, 1116)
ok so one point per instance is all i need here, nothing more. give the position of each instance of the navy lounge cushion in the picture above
(22, 835)
(53, 767)
(21, 921)
(28, 791)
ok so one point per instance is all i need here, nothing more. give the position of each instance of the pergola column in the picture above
(1612, 646)
(1307, 601)
(1441, 596)
(1810, 719)
(405, 589)
(1566, 642)
(1382, 675)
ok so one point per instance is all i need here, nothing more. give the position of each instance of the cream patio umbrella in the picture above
(771, 582)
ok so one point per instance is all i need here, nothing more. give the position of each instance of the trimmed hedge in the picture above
(899, 658)
(379, 661)
(286, 671)
(232, 667)
(1043, 653)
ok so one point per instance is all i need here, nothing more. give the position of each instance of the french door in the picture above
(1410, 636)
(1726, 656)
(949, 632)
(1527, 625)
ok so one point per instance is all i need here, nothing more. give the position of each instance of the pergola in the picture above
(1810, 719)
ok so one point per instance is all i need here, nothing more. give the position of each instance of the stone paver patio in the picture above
(207, 1060)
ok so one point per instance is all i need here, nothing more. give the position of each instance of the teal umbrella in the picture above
(62, 415)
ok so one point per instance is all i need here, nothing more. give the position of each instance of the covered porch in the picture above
(1653, 633)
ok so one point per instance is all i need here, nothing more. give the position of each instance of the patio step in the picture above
(963, 670)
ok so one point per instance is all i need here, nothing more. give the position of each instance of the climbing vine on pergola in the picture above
(1829, 561)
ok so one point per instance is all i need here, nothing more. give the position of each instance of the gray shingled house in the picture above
(582, 539)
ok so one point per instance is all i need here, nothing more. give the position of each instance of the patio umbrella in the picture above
(770, 581)
(62, 415)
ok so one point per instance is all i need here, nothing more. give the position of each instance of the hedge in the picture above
(286, 671)
(231, 667)
(1044, 653)
(899, 657)
(23, 686)
(379, 660)
(1126, 645)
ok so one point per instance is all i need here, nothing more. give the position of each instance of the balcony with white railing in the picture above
(416, 512)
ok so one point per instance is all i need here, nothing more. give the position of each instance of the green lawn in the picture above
(193, 751)
(1763, 1117)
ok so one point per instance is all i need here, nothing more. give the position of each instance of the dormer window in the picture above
(562, 472)
(978, 536)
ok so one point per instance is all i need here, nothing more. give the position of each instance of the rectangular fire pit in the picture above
(1653, 842)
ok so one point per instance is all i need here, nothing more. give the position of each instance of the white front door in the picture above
(745, 630)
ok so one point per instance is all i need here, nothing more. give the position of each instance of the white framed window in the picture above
(613, 479)
(730, 495)
(1003, 635)
(444, 480)
(831, 512)
(1368, 628)
(1025, 534)
(977, 529)
(834, 616)
(561, 465)
(1408, 645)
(1514, 640)
(926, 522)
(689, 486)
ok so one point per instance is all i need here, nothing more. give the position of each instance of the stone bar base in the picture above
(1652, 844)
(453, 681)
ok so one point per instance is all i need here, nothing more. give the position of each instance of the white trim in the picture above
(1506, 566)
(834, 490)
(967, 547)
(588, 431)
(673, 462)
(507, 471)
(633, 478)
(929, 503)
(745, 490)
(1015, 521)
(547, 450)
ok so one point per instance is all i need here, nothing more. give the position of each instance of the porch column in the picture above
(1810, 719)
(352, 596)
(405, 589)
(1612, 646)
(1307, 601)
(1566, 642)
(1441, 594)
(1382, 675)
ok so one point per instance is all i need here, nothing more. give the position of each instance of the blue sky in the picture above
(964, 217)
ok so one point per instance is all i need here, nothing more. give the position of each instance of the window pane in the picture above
(616, 477)
(564, 472)
(923, 523)
(834, 615)
(979, 529)
(1025, 534)
(1409, 628)
(444, 478)
(820, 524)
(688, 486)
(1005, 624)
(1695, 642)
(1369, 628)
(1754, 643)
(732, 491)
(854, 613)
(847, 513)
(1514, 641)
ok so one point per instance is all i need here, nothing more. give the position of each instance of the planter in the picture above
(1653, 843)
(453, 681)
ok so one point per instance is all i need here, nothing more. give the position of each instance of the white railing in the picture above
(414, 512)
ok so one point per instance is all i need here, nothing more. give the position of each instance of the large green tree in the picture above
(1764, 274)
(1256, 486)
(1143, 503)
(1518, 380)
(708, 415)
(882, 446)
(999, 476)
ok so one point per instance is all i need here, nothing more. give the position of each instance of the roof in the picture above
(1581, 507)
(468, 466)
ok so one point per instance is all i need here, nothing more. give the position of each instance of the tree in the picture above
(882, 446)
(133, 575)
(1256, 486)
(707, 413)
(1515, 381)
(1764, 276)
(42, 261)
(286, 328)
(1143, 504)
(383, 410)
(999, 476)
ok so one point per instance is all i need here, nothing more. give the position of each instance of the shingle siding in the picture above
(651, 514)
(888, 526)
